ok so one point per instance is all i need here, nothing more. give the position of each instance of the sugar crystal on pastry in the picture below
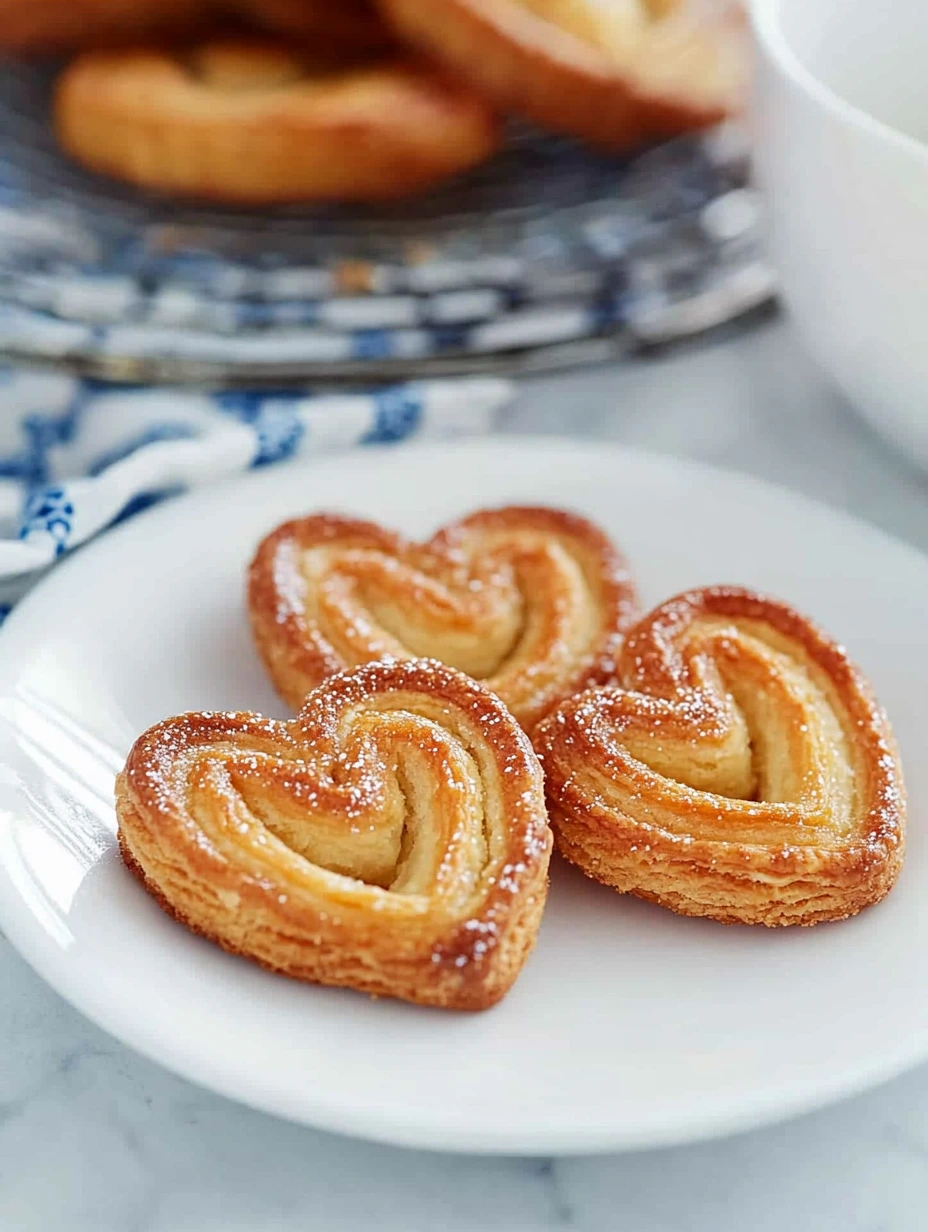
(355, 843)
(740, 768)
(531, 601)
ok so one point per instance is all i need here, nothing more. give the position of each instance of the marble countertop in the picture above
(95, 1139)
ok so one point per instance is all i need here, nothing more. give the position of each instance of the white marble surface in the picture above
(95, 1139)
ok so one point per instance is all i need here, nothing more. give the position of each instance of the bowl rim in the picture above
(770, 37)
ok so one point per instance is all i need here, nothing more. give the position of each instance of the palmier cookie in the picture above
(253, 122)
(616, 74)
(743, 771)
(391, 839)
(532, 602)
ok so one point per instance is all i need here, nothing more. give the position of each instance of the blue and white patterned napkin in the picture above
(77, 456)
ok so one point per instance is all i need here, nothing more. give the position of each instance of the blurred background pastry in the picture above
(612, 73)
(253, 121)
(267, 190)
(333, 115)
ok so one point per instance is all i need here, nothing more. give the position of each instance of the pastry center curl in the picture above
(751, 718)
(402, 806)
(531, 605)
(239, 66)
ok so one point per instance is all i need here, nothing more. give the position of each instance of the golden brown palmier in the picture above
(531, 601)
(256, 122)
(742, 771)
(616, 74)
(391, 839)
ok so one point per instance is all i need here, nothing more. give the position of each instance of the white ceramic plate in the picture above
(630, 1026)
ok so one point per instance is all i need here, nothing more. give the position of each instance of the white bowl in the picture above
(841, 112)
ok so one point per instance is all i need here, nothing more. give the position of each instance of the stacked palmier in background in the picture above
(272, 101)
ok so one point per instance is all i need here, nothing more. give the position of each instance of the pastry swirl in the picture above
(617, 73)
(742, 771)
(256, 121)
(530, 601)
(392, 838)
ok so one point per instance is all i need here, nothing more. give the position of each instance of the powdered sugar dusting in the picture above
(285, 802)
(533, 601)
(658, 758)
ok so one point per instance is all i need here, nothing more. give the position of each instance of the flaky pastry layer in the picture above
(392, 838)
(532, 602)
(617, 73)
(743, 770)
(255, 121)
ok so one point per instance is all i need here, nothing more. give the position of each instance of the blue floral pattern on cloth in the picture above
(49, 511)
(279, 434)
(277, 425)
(99, 454)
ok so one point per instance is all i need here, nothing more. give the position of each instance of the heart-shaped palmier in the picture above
(532, 602)
(392, 838)
(618, 73)
(263, 121)
(743, 771)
